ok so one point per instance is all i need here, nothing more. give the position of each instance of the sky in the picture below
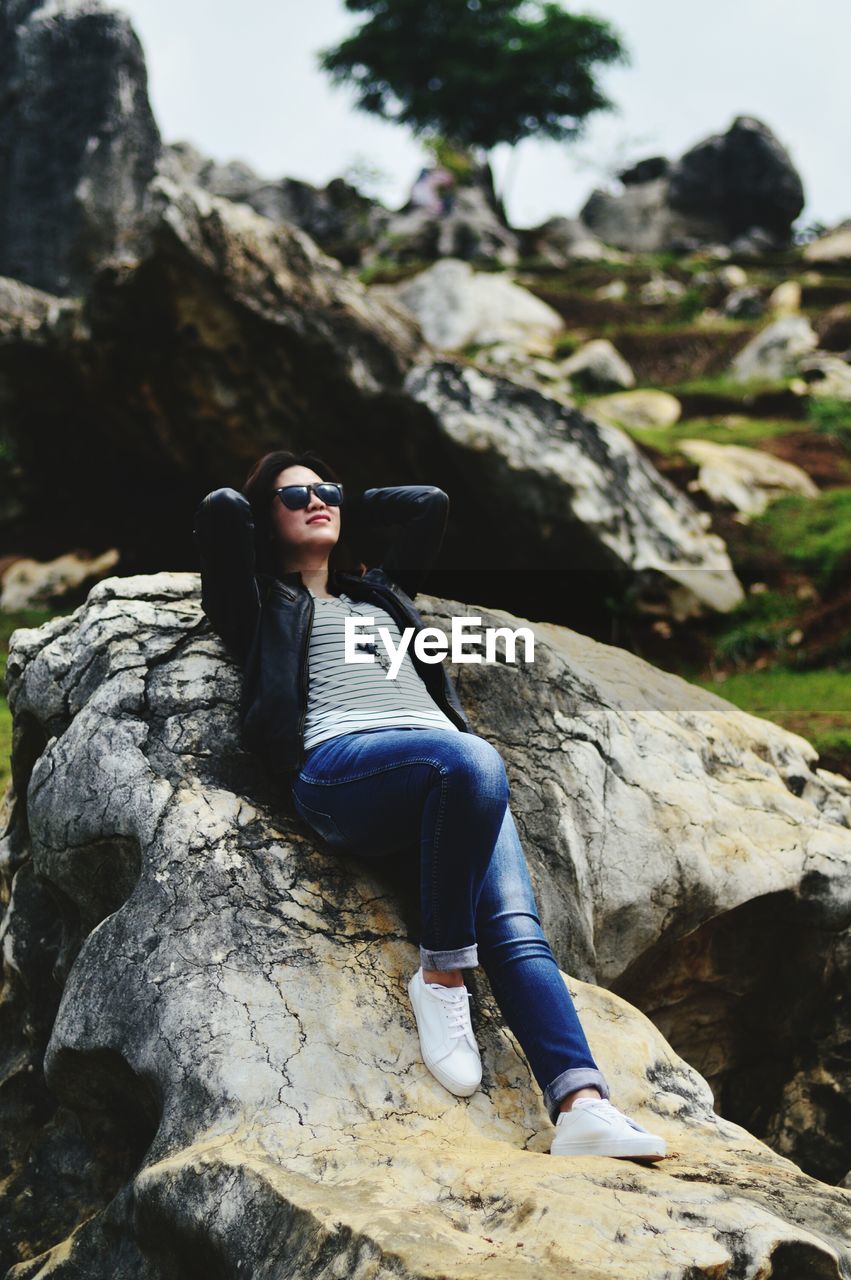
(241, 81)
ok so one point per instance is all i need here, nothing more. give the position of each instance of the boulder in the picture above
(785, 298)
(643, 407)
(823, 374)
(744, 178)
(744, 479)
(457, 307)
(774, 352)
(640, 220)
(341, 220)
(745, 303)
(232, 994)
(833, 327)
(78, 139)
(226, 336)
(560, 241)
(738, 188)
(598, 366)
(571, 493)
(833, 246)
(660, 290)
(27, 583)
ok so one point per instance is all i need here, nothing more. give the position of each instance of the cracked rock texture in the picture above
(233, 1078)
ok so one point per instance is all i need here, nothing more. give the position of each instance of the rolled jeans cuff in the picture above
(567, 1082)
(462, 958)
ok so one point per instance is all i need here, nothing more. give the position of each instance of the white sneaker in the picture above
(593, 1127)
(447, 1042)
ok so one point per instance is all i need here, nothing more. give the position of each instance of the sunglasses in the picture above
(297, 496)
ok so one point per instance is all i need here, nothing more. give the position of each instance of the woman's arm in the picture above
(224, 534)
(420, 511)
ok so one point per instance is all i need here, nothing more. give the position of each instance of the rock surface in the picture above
(744, 479)
(773, 353)
(581, 486)
(833, 246)
(738, 187)
(241, 991)
(456, 307)
(78, 139)
(341, 220)
(225, 336)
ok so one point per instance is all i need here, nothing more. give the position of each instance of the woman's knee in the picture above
(478, 760)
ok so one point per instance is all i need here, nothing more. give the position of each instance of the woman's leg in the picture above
(373, 792)
(525, 979)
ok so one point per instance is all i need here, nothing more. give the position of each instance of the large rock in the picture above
(456, 307)
(774, 352)
(642, 407)
(226, 336)
(745, 178)
(729, 186)
(341, 220)
(567, 492)
(234, 996)
(826, 375)
(745, 479)
(598, 366)
(833, 246)
(77, 136)
(562, 241)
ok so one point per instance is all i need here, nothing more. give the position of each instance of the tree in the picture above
(476, 72)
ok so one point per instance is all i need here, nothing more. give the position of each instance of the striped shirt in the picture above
(345, 697)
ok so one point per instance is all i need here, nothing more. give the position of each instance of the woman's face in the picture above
(314, 528)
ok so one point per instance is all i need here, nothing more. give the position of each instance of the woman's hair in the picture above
(259, 488)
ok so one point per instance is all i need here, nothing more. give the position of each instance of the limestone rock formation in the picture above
(575, 487)
(226, 335)
(232, 995)
(598, 366)
(833, 246)
(745, 178)
(561, 241)
(341, 220)
(775, 350)
(727, 188)
(77, 136)
(744, 479)
(229, 335)
(456, 307)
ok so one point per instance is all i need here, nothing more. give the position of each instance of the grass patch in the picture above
(812, 534)
(832, 417)
(759, 625)
(723, 385)
(735, 429)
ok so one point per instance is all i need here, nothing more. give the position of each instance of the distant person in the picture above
(433, 190)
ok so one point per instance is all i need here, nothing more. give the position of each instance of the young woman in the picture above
(377, 765)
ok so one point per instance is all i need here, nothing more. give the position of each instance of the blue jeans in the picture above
(379, 791)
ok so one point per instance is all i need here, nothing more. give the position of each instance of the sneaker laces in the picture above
(457, 1008)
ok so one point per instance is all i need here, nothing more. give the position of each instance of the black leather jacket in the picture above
(265, 620)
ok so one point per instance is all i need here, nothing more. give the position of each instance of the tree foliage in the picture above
(479, 72)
